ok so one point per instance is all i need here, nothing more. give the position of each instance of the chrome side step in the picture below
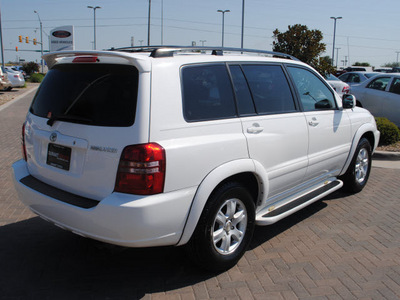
(272, 214)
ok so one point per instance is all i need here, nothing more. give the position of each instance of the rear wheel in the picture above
(357, 174)
(225, 228)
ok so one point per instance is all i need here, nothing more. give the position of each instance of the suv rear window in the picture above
(92, 94)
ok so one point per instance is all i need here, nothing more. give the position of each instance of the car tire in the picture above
(357, 174)
(225, 228)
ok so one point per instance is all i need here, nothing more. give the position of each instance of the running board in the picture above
(273, 214)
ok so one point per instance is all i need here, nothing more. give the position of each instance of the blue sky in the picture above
(368, 31)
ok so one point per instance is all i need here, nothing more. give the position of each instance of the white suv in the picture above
(148, 147)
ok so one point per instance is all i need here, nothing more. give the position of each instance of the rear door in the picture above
(275, 129)
(81, 118)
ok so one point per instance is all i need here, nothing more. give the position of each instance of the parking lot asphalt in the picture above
(342, 247)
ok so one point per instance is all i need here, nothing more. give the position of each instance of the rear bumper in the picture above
(121, 219)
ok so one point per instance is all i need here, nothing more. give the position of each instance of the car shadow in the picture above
(39, 260)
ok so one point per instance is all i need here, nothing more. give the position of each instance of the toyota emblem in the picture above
(53, 137)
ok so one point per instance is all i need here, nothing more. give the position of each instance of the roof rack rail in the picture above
(169, 51)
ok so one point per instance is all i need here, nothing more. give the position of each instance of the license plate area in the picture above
(59, 156)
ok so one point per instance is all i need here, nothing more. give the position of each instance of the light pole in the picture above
(334, 35)
(41, 39)
(94, 24)
(242, 36)
(337, 56)
(1, 41)
(148, 25)
(223, 23)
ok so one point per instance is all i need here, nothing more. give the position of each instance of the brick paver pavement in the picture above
(343, 247)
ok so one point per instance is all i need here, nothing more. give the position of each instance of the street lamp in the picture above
(242, 36)
(334, 35)
(223, 23)
(148, 24)
(94, 24)
(41, 38)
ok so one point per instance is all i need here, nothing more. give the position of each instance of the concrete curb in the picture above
(386, 155)
(4, 106)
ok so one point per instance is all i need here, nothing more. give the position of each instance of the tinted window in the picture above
(314, 94)
(269, 88)
(243, 96)
(379, 83)
(98, 94)
(207, 93)
(395, 88)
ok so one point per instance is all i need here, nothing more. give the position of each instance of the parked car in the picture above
(381, 96)
(356, 77)
(16, 78)
(383, 70)
(5, 84)
(396, 70)
(339, 86)
(149, 146)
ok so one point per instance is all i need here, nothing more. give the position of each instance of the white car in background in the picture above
(17, 78)
(339, 86)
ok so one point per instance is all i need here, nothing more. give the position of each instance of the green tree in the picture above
(392, 65)
(304, 44)
(362, 64)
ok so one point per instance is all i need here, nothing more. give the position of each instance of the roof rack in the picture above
(169, 51)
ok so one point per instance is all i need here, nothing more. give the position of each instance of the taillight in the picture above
(85, 59)
(23, 143)
(141, 170)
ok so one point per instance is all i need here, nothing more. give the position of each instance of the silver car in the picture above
(357, 77)
(380, 95)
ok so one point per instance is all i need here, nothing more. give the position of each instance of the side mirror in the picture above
(349, 101)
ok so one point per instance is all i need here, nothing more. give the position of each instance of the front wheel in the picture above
(225, 228)
(357, 174)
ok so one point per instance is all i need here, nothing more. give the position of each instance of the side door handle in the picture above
(255, 128)
(313, 122)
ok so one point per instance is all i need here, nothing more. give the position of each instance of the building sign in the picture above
(62, 38)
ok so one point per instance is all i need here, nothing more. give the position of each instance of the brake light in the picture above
(23, 143)
(85, 59)
(141, 170)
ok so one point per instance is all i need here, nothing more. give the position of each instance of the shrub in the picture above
(36, 77)
(31, 67)
(390, 133)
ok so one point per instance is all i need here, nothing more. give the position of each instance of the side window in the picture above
(243, 96)
(344, 77)
(395, 88)
(207, 93)
(269, 88)
(314, 94)
(354, 78)
(379, 83)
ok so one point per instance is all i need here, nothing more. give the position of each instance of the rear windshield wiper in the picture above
(69, 118)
